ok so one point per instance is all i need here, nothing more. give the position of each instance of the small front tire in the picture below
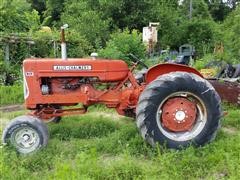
(26, 134)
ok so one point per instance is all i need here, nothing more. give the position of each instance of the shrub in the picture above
(123, 43)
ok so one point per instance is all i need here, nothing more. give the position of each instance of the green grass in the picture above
(103, 145)
(11, 95)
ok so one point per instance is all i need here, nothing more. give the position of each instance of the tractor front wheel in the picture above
(179, 109)
(26, 134)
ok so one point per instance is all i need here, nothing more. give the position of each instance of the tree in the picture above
(218, 9)
(122, 43)
(17, 16)
(54, 8)
(39, 6)
(231, 34)
(89, 23)
(202, 34)
(132, 14)
(199, 9)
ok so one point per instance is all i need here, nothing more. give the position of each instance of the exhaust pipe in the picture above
(63, 42)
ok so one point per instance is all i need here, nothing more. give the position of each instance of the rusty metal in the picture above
(228, 91)
(48, 113)
(179, 114)
(161, 69)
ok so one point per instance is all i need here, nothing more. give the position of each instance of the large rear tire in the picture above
(26, 134)
(179, 109)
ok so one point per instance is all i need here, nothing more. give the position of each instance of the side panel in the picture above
(161, 69)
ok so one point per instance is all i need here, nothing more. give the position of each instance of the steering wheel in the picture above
(137, 60)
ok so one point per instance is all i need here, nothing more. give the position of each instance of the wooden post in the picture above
(7, 56)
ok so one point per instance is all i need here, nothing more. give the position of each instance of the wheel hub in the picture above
(26, 138)
(178, 114)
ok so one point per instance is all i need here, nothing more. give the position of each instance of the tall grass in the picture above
(11, 95)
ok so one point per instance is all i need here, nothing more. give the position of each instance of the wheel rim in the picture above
(25, 139)
(181, 116)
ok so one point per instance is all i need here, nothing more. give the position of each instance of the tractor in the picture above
(174, 106)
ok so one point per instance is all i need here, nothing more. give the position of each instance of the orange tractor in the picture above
(173, 104)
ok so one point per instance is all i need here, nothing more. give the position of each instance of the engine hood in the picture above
(105, 70)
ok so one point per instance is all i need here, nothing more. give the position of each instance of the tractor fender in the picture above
(161, 69)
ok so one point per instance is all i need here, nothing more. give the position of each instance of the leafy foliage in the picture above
(17, 16)
(202, 34)
(53, 11)
(218, 9)
(87, 22)
(123, 43)
(231, 34)
(124, 13)
(200, 9)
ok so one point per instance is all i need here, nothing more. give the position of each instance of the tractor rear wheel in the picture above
(179, 109)
(26, 134)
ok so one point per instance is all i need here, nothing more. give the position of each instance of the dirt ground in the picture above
(11, 108)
